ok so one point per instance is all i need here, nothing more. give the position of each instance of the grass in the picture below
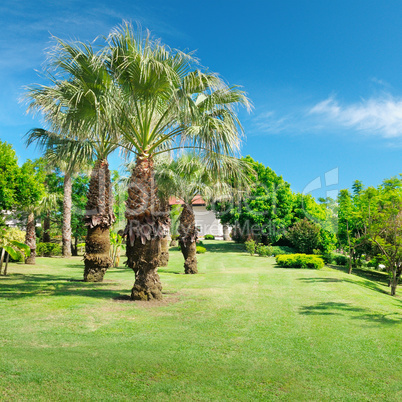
(242, 329)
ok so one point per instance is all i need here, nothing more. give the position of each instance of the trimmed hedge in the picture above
(201, 250)
(48, 249)
(299, 261)
(209, 237)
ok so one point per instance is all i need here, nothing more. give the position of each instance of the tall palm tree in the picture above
(186, 178)
(164, 104)
(75, 105)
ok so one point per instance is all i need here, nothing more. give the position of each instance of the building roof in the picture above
(197, 201)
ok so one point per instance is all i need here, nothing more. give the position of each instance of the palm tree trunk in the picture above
(6, 266)
(30, 238)
(188, 238)
(66, 229)
(99, 217)
(46, 228)
(145, 227)
(165, 240)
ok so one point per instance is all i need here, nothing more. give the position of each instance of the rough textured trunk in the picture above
(30, 238)
(46, 229)
(165, 240)
(99, 217)
(66, 229)
(188, 238)
(145, 227)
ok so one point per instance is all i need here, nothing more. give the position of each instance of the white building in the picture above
(205, 220)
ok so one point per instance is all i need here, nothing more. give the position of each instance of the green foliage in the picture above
(209, 237)
(304, 236)
(9, 172)
(201, 250)
(48, 249)
(175, 212)
(280, 250)
(266, 212)
(340, 259)
(299, 261)
(263, 250)
(250, 246)
(12, 241)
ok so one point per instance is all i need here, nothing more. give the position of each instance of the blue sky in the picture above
(324, 76)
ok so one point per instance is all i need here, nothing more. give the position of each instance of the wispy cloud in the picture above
(380, 116)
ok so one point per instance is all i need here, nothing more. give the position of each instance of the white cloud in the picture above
(381, 116)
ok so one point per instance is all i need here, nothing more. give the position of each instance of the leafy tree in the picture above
(351, 229)
(264, 213)
(9, 172)
(381, 215)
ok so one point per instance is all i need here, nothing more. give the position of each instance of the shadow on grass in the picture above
(48, 285)
(224, 247)
(364, 273)
(355, 313)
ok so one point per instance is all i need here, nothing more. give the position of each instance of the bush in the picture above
(299, 261)
(340, 259)
(200, 243)
(201, 250)
(279, 250)
(48, 249)
(209, 237)
(250, 246)
(264, 251)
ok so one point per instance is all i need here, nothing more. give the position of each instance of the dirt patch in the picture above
(166, 301)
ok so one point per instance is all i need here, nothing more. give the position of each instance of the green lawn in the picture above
(242, 329)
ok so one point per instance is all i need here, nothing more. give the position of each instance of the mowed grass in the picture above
(242, 329)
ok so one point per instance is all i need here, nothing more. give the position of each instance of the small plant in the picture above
(300, 261)
(340, 259)
(48, 249)
(250, 246)
(264, 251)
(201, 250)
(209, 237)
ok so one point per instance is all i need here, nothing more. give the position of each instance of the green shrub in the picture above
(48, 249)
(299, 261)
(209, 237)
(264, 251)
(250, 246)
(279, 250)
(340, 259)
(201, 250)
(200, 243)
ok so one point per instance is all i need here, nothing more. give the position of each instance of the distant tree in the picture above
(381, 215)
(350, 226)
(265, 212)
(9, 173)
(31, 190)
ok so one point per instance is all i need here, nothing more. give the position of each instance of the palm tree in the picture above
(188, 177)
(164, 104)
(75, 107)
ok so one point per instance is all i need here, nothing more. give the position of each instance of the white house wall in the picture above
(206, 222)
